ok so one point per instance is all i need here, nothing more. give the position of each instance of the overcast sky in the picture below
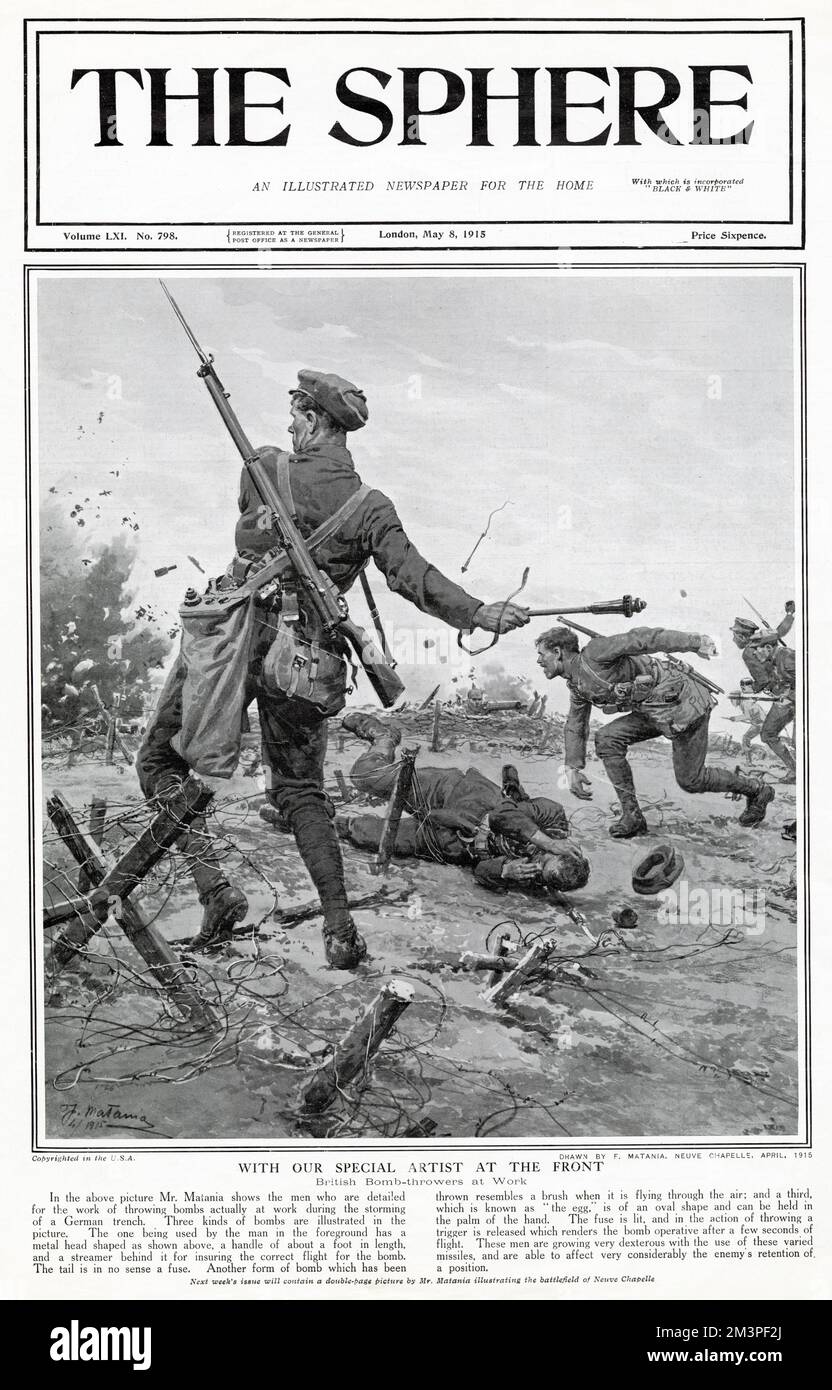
(642, 426)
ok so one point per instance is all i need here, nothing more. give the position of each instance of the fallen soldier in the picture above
(461, 817)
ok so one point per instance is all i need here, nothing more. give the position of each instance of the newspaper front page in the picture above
(419, 909)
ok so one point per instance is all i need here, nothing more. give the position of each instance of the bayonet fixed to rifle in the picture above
(764, 621)
(671, 660)
(328, 604)
(626, 606)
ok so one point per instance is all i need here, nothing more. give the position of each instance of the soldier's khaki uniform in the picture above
(621, 673)
(322, 478)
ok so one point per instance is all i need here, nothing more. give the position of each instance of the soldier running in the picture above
(776, 673)
(654, 698)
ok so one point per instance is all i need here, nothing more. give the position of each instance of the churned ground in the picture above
(676, 1029)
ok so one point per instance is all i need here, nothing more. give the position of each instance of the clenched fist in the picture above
(501, 617)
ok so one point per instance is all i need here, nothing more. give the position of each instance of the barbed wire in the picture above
(273, 1028)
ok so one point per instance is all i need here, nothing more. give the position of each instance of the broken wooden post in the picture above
(118, 881)
(503, 952)
(113, 735)
(359, 1044)
(98, 816)
(395, 806)
(534, 959)
(346, 794)
(478, 960)
(437, 716)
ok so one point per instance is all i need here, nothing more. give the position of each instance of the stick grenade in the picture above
(358, 1045)
(119, 881)
(98, 815)
(665, 656)
(395, 807)
(437, 716)
(109, 747)
(113, 735)
(626, 606)
(534, 959)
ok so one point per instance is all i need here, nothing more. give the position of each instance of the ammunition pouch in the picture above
(303, 669)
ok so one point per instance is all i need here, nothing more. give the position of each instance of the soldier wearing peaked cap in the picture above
(775, 671)
(745, 633)
(316, 481)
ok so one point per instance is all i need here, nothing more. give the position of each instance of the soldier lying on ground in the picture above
(460, 817)
(621, 675)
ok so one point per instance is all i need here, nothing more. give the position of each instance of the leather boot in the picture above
(369, 728)
(346, 948)
(631, 821)
(222, 907)
(513, 789)
(757, 802)
(275, 818)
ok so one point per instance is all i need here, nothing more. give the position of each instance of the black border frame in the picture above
(394, 26)
(577, 1146)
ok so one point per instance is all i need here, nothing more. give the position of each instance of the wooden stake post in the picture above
(118, 882)
(355, 1049)
(392, 820)
(437, 716)
(346, 794)
(528, 967)
(98, 817)
(113, 735)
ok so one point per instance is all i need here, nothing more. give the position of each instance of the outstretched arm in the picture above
(642, 641)
(786, 623)
(408, 573)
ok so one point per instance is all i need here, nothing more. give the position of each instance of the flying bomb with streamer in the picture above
(491, 515)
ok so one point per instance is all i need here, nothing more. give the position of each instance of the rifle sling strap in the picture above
(319, 537)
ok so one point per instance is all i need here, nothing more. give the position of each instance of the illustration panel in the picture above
(421, 745)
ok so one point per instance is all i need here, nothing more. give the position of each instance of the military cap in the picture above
(660, 867)
(744, 625)
(339, 398)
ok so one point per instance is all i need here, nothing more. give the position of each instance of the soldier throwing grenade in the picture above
(319, 481)
(622, 675)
